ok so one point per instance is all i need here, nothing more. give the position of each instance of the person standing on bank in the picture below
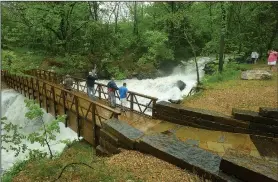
(272, 58)
(68, 83)
(112, 87)
(91, 78)
(123, 95)
(254, 57)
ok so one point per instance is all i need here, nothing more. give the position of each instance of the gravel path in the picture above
(151, 169)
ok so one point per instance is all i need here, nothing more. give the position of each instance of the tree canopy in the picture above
(127, 37)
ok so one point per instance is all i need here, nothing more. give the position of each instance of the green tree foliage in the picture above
(47, 132)
(13, 136)
(112, 34)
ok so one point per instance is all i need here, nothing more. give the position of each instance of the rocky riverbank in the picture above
(3, 85)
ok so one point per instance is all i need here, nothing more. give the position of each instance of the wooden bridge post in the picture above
(20, 84)
(17, 83)
(131, 101)
(39, 94)
(45, 93)
(77, 115)
(99, 91)
(28, 87)
(65, 108)
(33, 89)
(77, 84)
(153, 110)
(24, 86)
(54, 101)
(94, 123)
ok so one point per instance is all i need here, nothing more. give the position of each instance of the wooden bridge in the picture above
(84, 115)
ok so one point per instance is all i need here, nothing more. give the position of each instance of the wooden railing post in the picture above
(77, 115)
(99, 91)
(48, 77)
(33, 88)
(94, 123)
(65, 108)
(39, 94)
(45, 93)
(153, 109)
(28, 87)
(24, 80)
(20, 84)
(131, 101)
(54, 101)
(116, 116)
(77, 83)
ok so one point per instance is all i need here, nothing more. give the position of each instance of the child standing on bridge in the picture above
(123, 95)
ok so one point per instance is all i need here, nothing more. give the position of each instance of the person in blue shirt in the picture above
(123, 95)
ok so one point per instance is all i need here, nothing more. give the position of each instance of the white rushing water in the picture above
(13, 107)
(164, 88)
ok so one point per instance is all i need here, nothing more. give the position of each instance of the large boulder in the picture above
(256, 75)
(181, 85)
(175, 101)
(210, 67)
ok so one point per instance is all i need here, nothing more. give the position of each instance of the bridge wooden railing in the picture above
(51, 97)
(137, 102)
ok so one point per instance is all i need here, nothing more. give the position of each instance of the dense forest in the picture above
(126, 38)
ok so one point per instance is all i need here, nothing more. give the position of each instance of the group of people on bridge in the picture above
(111, 89)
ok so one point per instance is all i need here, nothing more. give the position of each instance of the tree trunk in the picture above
(273, 36)
(135, 22)
(195, 58)
(210, 18)
(116, 17)
(275, 30)
(95, 7)
(222, 39)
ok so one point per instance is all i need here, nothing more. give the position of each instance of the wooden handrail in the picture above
(57, 78)
(84, 80)
(84, 98)
(35, 81)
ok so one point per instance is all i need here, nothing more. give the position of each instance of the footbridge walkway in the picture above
(193, 139)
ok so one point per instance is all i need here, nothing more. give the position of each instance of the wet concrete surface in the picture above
(193, 155)
(126, 134)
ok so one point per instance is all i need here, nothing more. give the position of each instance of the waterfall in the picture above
(164, 88)
(13, 107)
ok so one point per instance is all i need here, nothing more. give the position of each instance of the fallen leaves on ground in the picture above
(151, 169)
(240, 94)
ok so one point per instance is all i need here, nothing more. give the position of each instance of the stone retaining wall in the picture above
(116, 134)
(248, 168)
(264, 123)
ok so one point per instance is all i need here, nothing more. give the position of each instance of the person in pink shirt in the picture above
(272, 58)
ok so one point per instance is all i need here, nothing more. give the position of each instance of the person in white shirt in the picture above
(254, 57)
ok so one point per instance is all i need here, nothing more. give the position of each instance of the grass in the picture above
(14, 171)
(49, 170)
(128, 166)
(231, 72)
(229, 91)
